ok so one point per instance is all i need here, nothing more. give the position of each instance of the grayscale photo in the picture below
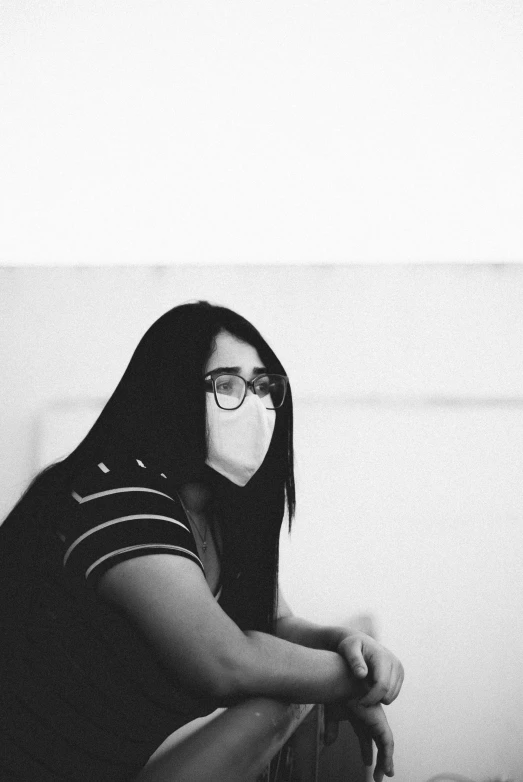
(261, 338)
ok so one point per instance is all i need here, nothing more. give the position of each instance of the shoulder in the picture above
(124, 508)
(120, 473)
(122, 489)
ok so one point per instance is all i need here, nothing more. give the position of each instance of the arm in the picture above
(301, 631)
(169, 601)
(380, 671)
(369, 722)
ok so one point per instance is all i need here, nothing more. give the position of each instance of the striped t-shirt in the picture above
(84, 697)
(123, 509)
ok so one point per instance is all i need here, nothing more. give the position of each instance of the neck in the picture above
(195, 496)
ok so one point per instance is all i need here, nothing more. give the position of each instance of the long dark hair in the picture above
(157, 411)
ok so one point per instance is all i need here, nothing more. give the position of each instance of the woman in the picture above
(139, 575)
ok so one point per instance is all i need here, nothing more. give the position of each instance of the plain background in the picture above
(319, 166)
(261, 131)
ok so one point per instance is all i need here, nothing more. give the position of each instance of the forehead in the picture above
(231, 351)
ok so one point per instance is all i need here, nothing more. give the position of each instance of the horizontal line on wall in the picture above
(351, 400)
(385, 400)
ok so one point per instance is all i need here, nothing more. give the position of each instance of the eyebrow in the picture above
(236, 370)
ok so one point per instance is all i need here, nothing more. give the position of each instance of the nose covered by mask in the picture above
(238, 440)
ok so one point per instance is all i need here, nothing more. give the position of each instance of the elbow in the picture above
(230, 684)
(215, 684)
(226, 679)
(222, 672)
(225, 693)
(234, 678)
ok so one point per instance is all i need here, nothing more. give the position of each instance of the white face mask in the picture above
(238, 440)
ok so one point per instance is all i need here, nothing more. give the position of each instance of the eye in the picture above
(263, 386)
(230, 385)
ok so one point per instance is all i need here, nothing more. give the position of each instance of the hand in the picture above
(380, 671)
(370, 725)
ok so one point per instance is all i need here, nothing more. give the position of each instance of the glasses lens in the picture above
(230, 391)
(271, 390)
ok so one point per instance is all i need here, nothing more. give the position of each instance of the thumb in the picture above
(357, 662)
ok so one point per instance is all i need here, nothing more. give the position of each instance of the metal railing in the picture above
(238, 744)
(260, 740)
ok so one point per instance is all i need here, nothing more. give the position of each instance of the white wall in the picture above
(409, 420)
(244, 132)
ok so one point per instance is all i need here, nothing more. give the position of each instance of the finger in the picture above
(394, 694)
(400, 680)
(384, 764)
(385, 745)
(379, 690)
(331, 732)
(365, 748)
(378, 774)
(397, 676)
(353, 653)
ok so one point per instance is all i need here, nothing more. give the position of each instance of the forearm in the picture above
(301, 631)
(276, 668)
(205, 648)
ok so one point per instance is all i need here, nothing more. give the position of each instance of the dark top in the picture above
(83, 696)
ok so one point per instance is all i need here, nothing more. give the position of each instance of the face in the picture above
(238, 440)
(231, 355)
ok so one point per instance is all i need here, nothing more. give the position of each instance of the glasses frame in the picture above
(247, 384)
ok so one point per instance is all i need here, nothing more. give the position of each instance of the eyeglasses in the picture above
(230, 390)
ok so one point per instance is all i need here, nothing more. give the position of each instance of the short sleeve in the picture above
(120, 512)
